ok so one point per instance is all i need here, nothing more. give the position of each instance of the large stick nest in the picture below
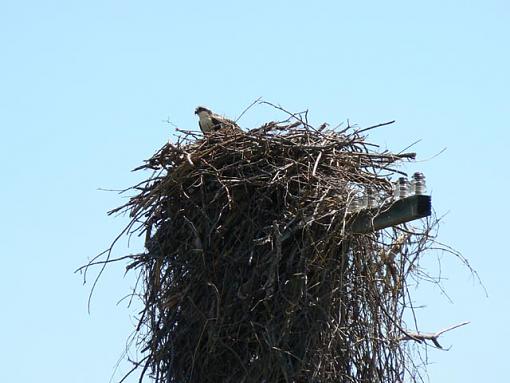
(251, 273)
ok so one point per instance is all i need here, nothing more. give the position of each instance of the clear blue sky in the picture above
(85, 86)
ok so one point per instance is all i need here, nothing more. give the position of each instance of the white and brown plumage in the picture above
(209, 121)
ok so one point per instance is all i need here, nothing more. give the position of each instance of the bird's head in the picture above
(201, 109)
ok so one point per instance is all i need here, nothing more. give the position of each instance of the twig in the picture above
(422, 337)
(374, 126)
(247, 108)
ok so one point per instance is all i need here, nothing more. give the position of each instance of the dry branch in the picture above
(422, 336)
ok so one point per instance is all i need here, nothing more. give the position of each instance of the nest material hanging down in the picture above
(251, 273)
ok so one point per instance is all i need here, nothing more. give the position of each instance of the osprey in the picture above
(209, 121)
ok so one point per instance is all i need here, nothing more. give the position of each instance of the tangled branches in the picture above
(251, 273)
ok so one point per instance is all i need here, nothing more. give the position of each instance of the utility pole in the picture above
(400, 211)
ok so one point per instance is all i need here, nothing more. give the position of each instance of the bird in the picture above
(209, 121)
